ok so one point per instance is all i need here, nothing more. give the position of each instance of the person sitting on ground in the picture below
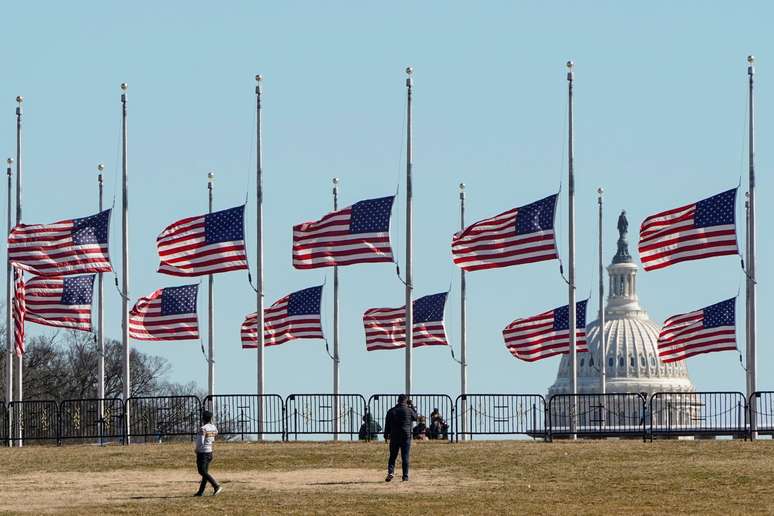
(439, 428)
(204, 441)
(370, 429)
(419, 431)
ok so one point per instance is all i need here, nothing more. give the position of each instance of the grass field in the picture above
(585, 477)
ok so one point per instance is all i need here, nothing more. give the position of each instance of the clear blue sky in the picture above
(660, 120)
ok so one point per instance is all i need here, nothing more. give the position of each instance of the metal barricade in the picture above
(91, 419)
(313, 414)
(500, 414)
(761, 410)
(238, 415)
(597, 415)
(160, 418)
(34, 421)
(698, 414)
(425, 405)
(4, 422)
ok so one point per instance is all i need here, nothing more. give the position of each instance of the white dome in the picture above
(632, 361)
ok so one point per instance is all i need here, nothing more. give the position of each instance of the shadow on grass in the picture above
(346, 483)
(159, 497)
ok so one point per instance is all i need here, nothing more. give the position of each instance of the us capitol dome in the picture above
(632, 360)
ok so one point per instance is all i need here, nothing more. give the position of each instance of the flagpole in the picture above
(211, 314)
(100, 324)
(747, 292)
(20, 362)
(259, 228)
(409, 247)
(751, 265)
(601, 333)
(8, 316)
(125, 264)
(463, 328)
(336, 358)
(571, 246)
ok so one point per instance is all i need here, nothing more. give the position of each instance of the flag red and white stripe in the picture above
(67, 247)
(167, 314)
(546, 334)
(19, 311)
(707, 330)
(518, 236)
(385, 328)
(295, 316)
(60, 302)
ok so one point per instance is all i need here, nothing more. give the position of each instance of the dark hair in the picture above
(207, 416)
(402, 398)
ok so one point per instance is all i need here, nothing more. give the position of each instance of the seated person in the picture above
(439, 428)
(370, 429)
(420, 429)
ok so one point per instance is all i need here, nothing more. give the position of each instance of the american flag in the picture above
(67, 247)
(521, 235)
(547, 334)
(385, 328)
(357, 234)
(700, 230)
(19, 310)
(710, 329)
(167, 314)
(295, 316)
(206, 244)
(61, 302)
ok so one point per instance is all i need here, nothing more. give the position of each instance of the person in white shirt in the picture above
(204, 441)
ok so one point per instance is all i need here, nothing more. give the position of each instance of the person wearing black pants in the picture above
(204, 441)
(397, 430)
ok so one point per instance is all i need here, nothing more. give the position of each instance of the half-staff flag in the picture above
(19, 310)
(357, 234)
(75, 246)
(61, 302)
(517, 236)
(547, 334)
(205, 244)
(385, 328)
(700, 230)
(710, 329)
(167, 314)
(295, 316)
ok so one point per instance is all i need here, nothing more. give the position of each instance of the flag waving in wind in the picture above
(517, 236)
(61, 302)
(167, 314)
(67, 247)
(357, 234)
(547, 334)
(385, 328)
(205, 244)
(700, 230)
(295, 316)
(712, 328)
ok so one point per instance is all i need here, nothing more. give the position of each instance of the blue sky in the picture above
(660, 121)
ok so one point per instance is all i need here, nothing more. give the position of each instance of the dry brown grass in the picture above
(591, 477)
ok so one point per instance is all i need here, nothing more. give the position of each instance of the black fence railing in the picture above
(99, 420)
(238, 416)
(324, 414)
(597, 415)
(500, 414)
(159, 419)
(426, 406)
(698, 414)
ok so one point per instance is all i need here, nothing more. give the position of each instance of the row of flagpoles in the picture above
(522, 235)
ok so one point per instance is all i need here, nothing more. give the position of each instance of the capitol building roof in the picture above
(631, 352)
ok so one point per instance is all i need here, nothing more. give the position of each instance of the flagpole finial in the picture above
(124, 86)
(258, 78)
(570, 67)
(600, 191)
(210, 177)
(19, 99)
(100, 167)
(409, 72)
(9, 161)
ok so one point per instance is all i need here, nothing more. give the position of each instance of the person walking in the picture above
(204, 441)
(397, 430)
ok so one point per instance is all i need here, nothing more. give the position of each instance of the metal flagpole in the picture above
(211, 314)
(571, 246)
(747, 293)
(409, 248)
(125, 264)
(336, 358)
(8, 315)
(259, 228)
(463, 328)
(751, 274)
(602, 340)
(20, 362)
(100, 325)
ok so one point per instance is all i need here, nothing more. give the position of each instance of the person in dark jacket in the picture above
(369, 430)
(397, 429)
